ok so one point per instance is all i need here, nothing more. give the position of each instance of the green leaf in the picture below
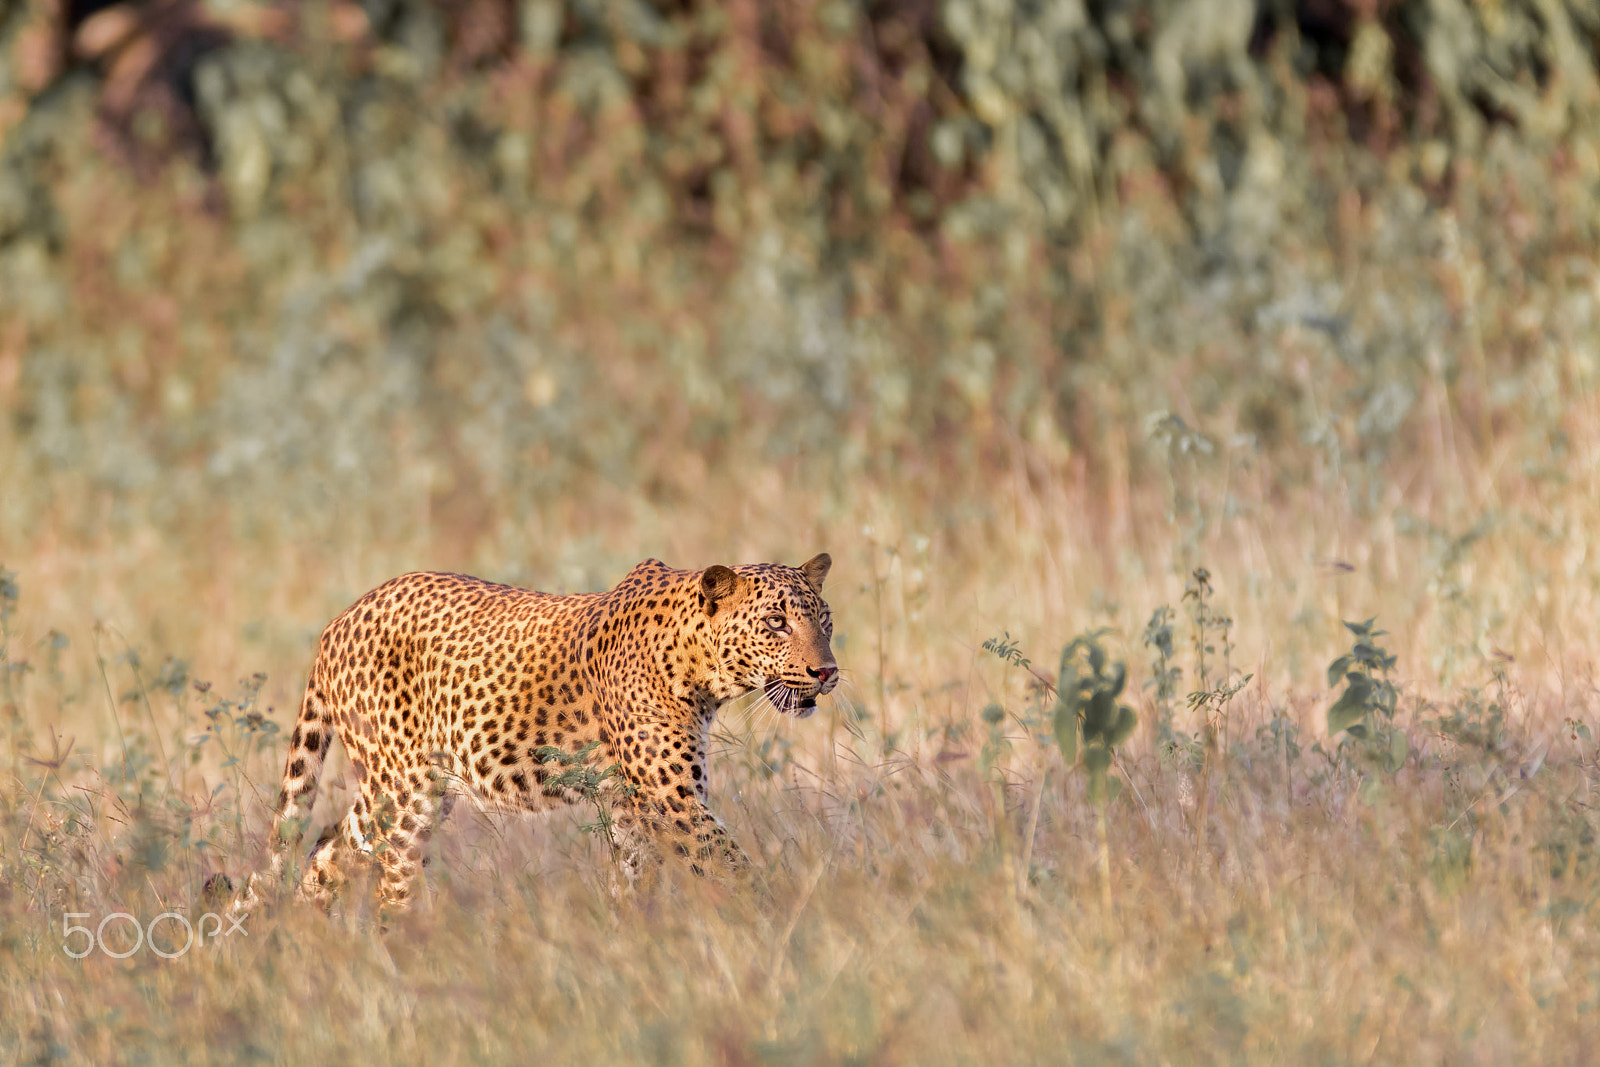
(1067, 676)
(1347, 711)
(1338, 667)
(1099, 715)
(1096, 758)
(1097, 658)
(1119, 679)
(1127, 721)
(1399, 748)
(1582, 731)
(993, 714)
(1066, 728)
(1384, 697)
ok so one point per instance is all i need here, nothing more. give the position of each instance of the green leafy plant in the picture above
(1086, 707)
(1164, 675)
(1210, 625)
(239, 729)
(1210, 631)
(1007, 649)
(1280, 736)
(1212, 703)
(1365, 710)
(1476, 724)
(580, 775)
(1085, 718)
(1088, 718)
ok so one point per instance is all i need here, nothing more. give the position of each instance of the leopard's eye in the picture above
(778, 623)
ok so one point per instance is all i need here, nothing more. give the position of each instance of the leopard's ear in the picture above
(816, 569)
(718, 583)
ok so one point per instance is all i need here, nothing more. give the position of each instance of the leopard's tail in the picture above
(308, 748)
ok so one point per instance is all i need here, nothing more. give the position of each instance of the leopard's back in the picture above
(432, 665)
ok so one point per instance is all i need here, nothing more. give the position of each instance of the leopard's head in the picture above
(771, 630)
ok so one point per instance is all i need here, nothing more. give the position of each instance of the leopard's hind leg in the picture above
(308, 749)
(343, 849)
(405, 822)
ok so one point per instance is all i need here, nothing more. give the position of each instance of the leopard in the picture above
(440, 685)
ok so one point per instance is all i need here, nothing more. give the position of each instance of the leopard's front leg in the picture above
(665, 812)
(646, 828)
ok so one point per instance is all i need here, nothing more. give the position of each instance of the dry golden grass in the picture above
(1336, 912)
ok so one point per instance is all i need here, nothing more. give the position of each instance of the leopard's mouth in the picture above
(790, 701)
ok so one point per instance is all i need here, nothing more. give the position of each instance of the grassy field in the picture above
(929, 885)
(632, 288)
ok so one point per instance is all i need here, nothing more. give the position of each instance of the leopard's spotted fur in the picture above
(440, 682)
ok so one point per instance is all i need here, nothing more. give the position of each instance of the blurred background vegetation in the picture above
(345, 276)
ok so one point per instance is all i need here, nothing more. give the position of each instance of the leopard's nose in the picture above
(823, 675)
